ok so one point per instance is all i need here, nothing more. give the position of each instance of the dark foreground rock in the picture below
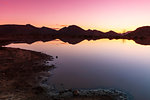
(20, 72)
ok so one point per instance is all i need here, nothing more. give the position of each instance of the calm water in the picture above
(120, 64)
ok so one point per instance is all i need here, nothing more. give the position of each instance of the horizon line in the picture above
(73, 25)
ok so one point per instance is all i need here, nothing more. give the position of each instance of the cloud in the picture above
(64, 25)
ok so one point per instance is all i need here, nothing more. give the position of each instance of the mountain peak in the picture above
(44, 27)
(29, 25)
(74, 27)
(72, 30)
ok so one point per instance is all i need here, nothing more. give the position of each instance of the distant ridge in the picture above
(141, 31)
(65, 30)
(71, 31)
(24, 29)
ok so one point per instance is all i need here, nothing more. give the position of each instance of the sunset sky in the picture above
(104, 15)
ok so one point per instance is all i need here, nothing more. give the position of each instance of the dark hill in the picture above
(140, 32)
(24, 30)
(46, 30)
(72, 30)
(112, 34)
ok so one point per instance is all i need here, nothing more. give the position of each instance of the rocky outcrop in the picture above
(20, 72)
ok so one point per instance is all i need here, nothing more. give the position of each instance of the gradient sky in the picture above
(104, 15)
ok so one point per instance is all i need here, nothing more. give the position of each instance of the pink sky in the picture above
(104, 15)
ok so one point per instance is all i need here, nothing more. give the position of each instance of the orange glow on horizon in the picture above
(99, 28)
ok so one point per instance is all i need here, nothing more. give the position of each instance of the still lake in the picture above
(104, 63)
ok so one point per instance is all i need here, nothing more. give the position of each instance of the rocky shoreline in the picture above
(20, 72)
(79, 94)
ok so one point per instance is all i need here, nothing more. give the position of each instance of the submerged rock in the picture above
(92, 94)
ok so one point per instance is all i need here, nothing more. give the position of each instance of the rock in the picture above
(75, 93)
(67, 94)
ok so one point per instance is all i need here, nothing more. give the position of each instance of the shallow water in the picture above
(104, 63)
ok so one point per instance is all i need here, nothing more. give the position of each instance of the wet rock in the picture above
(75, 93)
(67, 94)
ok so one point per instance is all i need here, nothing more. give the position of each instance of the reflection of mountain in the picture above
(71, 34)
(24, 34)
(140, 35)
(71, 40)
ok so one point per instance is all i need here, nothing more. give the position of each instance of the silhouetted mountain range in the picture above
(71, 34)
(25, 30)
(72, 30)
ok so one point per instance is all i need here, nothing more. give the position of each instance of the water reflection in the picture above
(101, 63)
(70, 40)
